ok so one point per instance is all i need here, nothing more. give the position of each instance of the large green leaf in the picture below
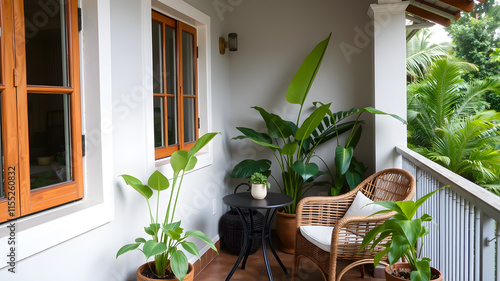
(343, 158)
(311, 122)
(289, 148)
(301, 83)
(422, 272)
(179, 264)
(353, 178)
(202, 236)
(258, 138)
(248, 167)
(306, 171)
(408, 208)
(179, 160)
(201, 142)
(191, 163)
(158, 181)
(126, 248)
(276, 127)
(153, 248)
(411, 229)
(144, 190)
(399, 246)
(376, 111)
(191, 248)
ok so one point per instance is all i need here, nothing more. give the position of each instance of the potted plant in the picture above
(259, 185)
(293, 144)
(167, 236)
(404, 232)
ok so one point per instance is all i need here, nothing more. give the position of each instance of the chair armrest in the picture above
(350, 230)
(323, 210)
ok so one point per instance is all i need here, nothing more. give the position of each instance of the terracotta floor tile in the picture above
(255, 269)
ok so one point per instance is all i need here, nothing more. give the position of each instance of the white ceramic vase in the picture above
(259, 191)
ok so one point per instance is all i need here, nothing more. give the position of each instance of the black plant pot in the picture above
(232, 230)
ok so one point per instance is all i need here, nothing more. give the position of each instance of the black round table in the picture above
(271, 203)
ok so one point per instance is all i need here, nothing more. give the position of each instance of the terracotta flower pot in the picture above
(140, 277)
(285, 226)
(390, 277)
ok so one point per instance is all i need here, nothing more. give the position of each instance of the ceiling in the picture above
(440, 11)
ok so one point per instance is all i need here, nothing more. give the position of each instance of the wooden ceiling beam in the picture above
(428, 15)
(455, 15)
(464, 5)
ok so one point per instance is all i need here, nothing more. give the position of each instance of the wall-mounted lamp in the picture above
(232, 43)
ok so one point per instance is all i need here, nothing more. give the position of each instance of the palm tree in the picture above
(442, 96)
(421, 53)
(468, 146)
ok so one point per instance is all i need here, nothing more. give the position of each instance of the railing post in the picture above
(488, 242)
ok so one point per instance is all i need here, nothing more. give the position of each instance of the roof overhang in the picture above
(440, 11)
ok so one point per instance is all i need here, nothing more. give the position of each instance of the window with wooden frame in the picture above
(41, 137)
(175, 89)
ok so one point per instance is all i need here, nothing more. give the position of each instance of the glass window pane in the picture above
(46, 42)
(157, 58)
(172, 121)
(188, 63)
(49, 139)
(159, 121)
(171, 65)
(189, 122)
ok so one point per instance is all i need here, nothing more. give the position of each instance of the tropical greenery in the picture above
(405, 233)
(448, 117)
(167, 236)
(293, 144)
(421, 53)
(475, 36)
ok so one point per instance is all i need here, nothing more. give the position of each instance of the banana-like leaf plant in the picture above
(405, 233)
(293, 144)
(166, 238)
(349, 171)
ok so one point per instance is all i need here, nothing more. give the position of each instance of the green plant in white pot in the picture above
(259, 186)
(167, 236)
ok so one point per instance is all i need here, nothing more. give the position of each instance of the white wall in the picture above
(274, 37)
(91, 256)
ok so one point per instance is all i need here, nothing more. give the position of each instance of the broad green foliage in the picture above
(469, 147)
(166, 237)
(405, 233)
(421, 53)
(475, 36)
(293, 144)
(447, 124)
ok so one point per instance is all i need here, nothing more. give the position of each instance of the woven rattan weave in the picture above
(390, 184)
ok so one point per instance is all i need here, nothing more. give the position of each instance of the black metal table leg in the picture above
(244, 248)
(271, 243)
(250, 233)
(265, 231)
(271, 203)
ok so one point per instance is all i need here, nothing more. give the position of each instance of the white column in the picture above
(389, 78)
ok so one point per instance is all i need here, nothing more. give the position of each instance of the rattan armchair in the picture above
(348, 232)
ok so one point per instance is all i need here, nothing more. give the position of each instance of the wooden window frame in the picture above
(15, 133)
(162, 152)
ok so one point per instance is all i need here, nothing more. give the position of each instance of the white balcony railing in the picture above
(463, 245)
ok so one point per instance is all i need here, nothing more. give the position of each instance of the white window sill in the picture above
(39, 232)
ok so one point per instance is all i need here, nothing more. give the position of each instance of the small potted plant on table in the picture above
(404, 232)
(259, 186)
(166, 237)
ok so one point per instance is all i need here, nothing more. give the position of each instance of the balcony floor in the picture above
(255, 269)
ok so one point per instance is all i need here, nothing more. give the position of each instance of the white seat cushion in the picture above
(321, 236)
(359, 206)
